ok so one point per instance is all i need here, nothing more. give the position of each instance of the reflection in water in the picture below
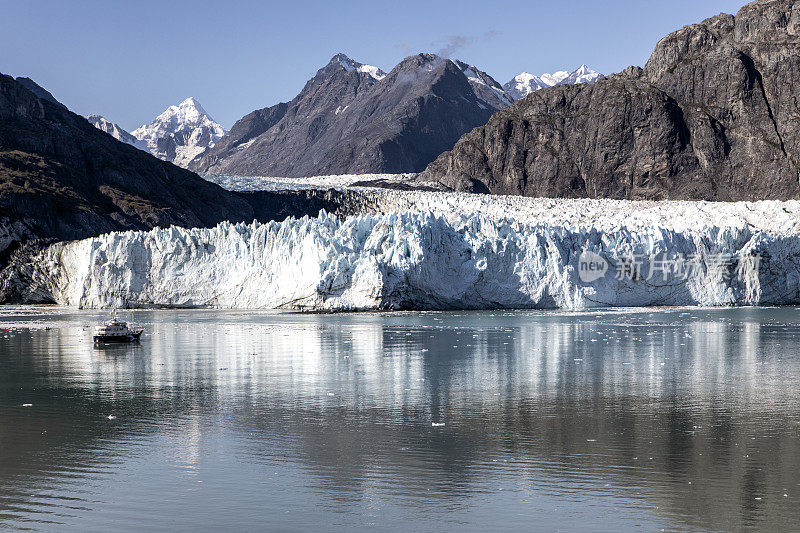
(678, 419)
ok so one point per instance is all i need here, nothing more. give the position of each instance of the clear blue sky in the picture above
(129, 60)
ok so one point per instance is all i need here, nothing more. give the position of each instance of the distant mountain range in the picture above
(525, 83)
(355, 118)
(430, 101)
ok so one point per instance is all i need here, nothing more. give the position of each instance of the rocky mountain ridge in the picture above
(712, 115)
(352, 118)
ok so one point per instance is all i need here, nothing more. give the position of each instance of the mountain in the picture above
(180, 133)
(115, 131)
(713, 115)
(525, 83)
(484, 86)
(555, 78)
(582, 74)
(353, 118)
(62, 178)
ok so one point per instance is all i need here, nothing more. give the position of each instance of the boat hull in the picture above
(131, 337)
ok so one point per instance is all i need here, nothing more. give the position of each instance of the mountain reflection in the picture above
(690, 414)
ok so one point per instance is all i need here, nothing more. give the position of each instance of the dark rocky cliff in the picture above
(62, 178)
(714, 114)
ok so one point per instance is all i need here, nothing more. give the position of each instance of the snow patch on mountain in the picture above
(180, 133)
(484, 85)
(375, 72)
(555, 78)
(350, 65)
(480, 80)
(113, 129)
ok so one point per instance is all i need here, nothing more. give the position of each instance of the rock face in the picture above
(525, 83)
(116, 131)
(180, 133)
(714, 115)
(62, 178)
(352, 119)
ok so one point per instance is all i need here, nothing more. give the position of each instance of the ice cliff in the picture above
(440, 259)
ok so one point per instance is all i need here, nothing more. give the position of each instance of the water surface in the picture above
(676, 419)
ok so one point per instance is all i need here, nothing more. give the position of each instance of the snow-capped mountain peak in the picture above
(525, 83)
(192, 105)
(187, 112)
(181, 132)
(582, 74)
(555, 78)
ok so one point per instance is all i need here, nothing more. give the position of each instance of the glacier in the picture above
(442, 251)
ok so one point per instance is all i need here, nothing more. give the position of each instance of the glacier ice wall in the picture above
(418, 260)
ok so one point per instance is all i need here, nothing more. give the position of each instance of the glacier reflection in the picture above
(690, 415)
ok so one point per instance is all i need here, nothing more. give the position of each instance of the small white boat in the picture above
(116, 330)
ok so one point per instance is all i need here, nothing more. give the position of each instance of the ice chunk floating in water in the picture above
(416, 260)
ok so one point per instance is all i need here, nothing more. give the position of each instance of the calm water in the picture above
(680, 419)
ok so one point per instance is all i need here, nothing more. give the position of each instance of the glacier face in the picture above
(436, 259)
